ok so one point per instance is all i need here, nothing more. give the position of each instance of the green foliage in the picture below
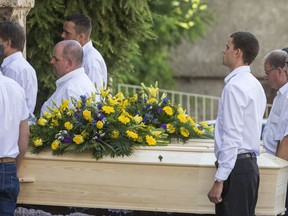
(134, 36)
(173, 20)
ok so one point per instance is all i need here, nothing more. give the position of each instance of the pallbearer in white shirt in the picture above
(72, 80)
(275, 137)
(78, 27)
(15, 66)
(237, 131)
(14, 136)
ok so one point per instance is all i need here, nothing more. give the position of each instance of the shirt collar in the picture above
(236, 71)
(283, 89)
(87, 45)
(11, 58)
(69, 76)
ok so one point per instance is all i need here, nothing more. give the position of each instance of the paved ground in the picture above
(34, 210)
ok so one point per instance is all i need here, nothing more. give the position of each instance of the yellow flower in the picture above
(153, 91)
(182, 118)
(123, 119)
(112, 101)
(79, 103)
(156, 133)
(191, 120)
(78, 139)
(132, 135)
(180, 110)
(168, 110)
(137, 119)
(125, 113)
(99, 124)
(87, 115)
(104, 92)
(42, 121)
(54, 122)
(57, 114)
(150, 140)
(64, 105)
(84, 133)
(119, 96)
(47, 115)
(125, 104)
(70, 112)
(55, 144)
(114, 134)
(184, 132)
(199, 132)
(134, 98)
(108, 109)
(206, 126)
(68, 125)
(170, 128)
(89, 102)
(152, 100)
(37, 142)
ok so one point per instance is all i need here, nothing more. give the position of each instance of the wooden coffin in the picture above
(174, 178)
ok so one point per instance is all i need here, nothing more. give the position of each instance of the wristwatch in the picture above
(218, 180)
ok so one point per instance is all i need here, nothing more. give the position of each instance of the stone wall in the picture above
(15, 10)
(199, 65)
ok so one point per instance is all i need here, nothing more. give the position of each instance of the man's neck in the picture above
(83, 42)
(10, 52)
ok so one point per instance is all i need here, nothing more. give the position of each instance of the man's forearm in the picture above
(23, 142)
(282, 149)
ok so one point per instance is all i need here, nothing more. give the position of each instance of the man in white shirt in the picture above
(72, 80)
(237, 131)
(14, 136)
(275, 137)
(78, 27)
(15, 66)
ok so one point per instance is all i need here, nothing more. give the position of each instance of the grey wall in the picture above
(199, 65)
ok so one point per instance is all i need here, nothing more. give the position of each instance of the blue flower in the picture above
(165, 100)
(164, 126)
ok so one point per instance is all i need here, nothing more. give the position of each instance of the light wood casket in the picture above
(177, 183)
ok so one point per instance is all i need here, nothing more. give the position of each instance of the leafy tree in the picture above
(173, 20)
(134, 36)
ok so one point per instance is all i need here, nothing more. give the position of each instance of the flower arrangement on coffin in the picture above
(114, 125)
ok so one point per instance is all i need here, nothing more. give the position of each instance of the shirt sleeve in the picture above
(233, 123)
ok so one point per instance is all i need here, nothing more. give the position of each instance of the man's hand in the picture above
(214, 194)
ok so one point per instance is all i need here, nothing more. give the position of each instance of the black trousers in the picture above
(240, 191)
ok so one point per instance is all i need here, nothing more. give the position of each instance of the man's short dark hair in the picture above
(14, 32)
(82, 23)
(285, 49)
(248, 43)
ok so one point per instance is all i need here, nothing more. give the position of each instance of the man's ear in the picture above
(81, 38)
(70, 63)
(238, 53)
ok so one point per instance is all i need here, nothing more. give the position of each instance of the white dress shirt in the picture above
(13, 110)
(239, 120)
(17, 68)
(94, 65)
(74, 84)
(277, 124)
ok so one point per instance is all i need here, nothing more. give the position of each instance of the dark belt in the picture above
(246, 155)
(242, 156)
(7, 160)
